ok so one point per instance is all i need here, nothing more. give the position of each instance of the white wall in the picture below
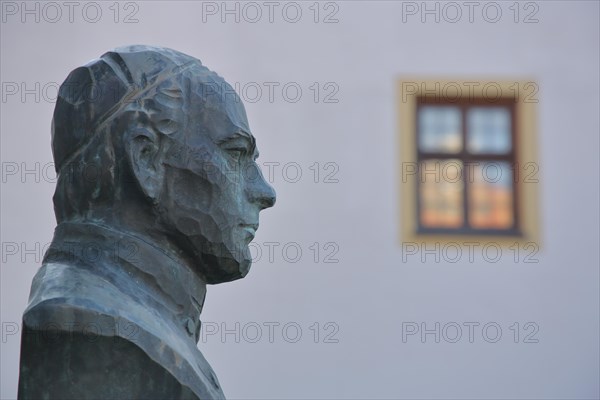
(370, 292)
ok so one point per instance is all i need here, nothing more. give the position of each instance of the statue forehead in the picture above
(209, 100)
(216, 100)
(213, 109)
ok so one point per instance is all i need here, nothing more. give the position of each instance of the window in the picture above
(465, 157)
(468, 159)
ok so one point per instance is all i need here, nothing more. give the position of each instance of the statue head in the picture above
(151, 140)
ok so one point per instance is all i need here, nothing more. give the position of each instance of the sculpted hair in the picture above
(97, 175)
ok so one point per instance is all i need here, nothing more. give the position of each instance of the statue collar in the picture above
(160, 276)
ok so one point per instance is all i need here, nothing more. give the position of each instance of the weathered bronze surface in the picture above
(158, 195)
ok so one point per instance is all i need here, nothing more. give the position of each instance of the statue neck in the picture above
(158, 269)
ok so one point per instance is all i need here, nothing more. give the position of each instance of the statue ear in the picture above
(143, 154)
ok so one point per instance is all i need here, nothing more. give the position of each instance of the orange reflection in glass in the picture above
(441, 192)
(491, 196)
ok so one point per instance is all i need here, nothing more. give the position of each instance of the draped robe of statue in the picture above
(108, 313)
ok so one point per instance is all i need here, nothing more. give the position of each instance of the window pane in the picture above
(440, 129)
(488, 130)
(491, 196)
(441, 193)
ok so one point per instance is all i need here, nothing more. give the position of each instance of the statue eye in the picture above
(237, 147)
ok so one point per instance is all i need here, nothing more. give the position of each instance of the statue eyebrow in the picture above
(241, 134)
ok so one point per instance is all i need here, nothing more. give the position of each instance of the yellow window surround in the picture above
(525, 94)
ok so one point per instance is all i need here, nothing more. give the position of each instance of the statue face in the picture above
(213, 189)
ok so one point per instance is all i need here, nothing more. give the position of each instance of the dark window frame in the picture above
(465, 157)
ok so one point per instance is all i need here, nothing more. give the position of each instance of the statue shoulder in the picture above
(66, 297)
(75, 312)
(76, 348)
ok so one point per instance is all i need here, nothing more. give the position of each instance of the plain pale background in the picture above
(371, 291)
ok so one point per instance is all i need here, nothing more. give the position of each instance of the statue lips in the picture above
(250, 228)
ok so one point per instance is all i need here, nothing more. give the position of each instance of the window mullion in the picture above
(464, 158)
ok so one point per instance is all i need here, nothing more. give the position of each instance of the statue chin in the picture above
(217, 256)
(225, 269)
(218, 264)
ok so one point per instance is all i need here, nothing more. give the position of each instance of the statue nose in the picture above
(264, 196)
(268, 200)
(261, 193)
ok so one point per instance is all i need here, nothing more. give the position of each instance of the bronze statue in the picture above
(158, 195)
